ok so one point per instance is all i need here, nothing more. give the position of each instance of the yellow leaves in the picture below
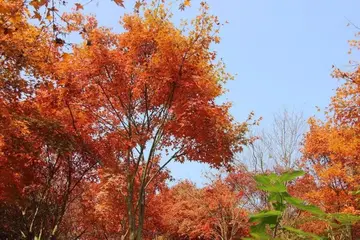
(217, 39)
(332, 146)
(48, 16)
(183, 5)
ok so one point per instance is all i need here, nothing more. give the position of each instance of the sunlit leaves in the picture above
(292, 175)
(270, 183)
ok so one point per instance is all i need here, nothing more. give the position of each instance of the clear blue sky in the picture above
(281, 50)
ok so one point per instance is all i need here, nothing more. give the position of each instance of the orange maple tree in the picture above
(212, 212)
(147, 91)
(122, 101)
(331, 150)
(103, 207)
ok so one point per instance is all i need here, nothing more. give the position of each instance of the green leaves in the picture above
(300, 233)
(268, 223)
(259, 231)
(274, 183)
(264, 215)
(277, 188)
(280, 199)
(298, 203)
(289, 176)
(270, 183)
(264, 218)
(344, 219)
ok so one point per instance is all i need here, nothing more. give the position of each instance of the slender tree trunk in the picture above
(141, 216)
(131, 214)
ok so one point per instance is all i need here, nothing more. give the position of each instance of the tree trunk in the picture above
(131, 214)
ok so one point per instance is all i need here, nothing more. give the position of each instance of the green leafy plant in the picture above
(269, 225)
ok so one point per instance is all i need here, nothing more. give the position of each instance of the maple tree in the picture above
(47, 166)
(212, 212)
(88, 129)
(43, 160)
(228, 216)
(104, 213)
(331, 149)
(148, 90)
(130, 96)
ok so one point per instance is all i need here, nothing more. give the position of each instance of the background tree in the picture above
(331, 150)
(42, 169)
(278, 147)
(331, 154)
(43, 159)
(105, 216)
(211, 212)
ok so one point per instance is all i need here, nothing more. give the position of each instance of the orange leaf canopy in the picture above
(152, 78)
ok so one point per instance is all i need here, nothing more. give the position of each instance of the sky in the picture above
(281, 51)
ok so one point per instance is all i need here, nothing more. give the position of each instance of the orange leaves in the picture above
(332, 153)
(145, 52)
(137, 6)
(122, 100)
(37, 4)
(202, 212)
(148, 87)
(331, 148)
(185, 4)
(119, 2)
(79, 6)
(106, 203)
(37, 16)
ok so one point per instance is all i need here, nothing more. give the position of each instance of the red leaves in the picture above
(117, 101)
(202, 213)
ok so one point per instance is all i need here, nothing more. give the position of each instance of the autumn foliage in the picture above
(211, 212)
(331, 150)
(87, 130)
